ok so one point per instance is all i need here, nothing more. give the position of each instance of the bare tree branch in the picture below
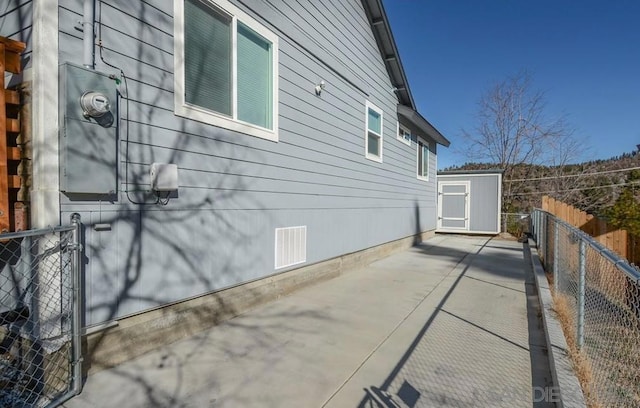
(514, 129)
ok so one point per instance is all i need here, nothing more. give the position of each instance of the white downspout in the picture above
(88, 10)
(45, 193)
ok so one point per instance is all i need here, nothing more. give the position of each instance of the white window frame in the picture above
(406, 132)
(427, 145)
(376, 158)
(184, 109)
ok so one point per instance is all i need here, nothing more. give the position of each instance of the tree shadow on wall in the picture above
(143, 252)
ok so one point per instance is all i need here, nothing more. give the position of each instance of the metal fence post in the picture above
(556, 249)
(543, 237)
(581, 291)
(540, 233)
(76, 321)
(532, 220)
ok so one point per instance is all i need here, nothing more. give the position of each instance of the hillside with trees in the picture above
(538, 151)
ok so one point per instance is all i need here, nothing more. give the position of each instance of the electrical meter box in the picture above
(88, 131)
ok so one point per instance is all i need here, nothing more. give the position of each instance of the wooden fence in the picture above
(13, 215)
(618, 240)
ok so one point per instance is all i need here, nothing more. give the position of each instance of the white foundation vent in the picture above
(291, 246)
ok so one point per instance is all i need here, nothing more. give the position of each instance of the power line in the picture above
(576, 175)
(577, 189)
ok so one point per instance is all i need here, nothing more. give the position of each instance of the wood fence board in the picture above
(4, 186)
(12, 214)
(14, 181)
(12, 125)
(11, 97)
(13, 153)
(619, 241)
(12, 63)
(11, 50)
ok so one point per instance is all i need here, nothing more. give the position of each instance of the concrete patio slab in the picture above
(442, 324)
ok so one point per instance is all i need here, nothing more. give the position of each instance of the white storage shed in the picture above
(469, 202)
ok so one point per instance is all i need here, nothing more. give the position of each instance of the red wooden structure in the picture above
(13, 215)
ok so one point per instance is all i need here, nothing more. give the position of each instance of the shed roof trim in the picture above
(463, 172)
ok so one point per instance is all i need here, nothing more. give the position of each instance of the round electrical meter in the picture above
(94, 104)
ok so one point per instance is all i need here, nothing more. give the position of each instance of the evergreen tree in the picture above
(625, 212)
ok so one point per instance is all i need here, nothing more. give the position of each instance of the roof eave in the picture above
(415, 118)
(388, 50)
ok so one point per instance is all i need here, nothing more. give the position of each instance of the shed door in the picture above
(453, 205)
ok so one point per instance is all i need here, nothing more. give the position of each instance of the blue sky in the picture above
(585, 55)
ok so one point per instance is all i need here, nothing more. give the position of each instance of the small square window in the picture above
(423, 160)
(373, 137)
(404, 135)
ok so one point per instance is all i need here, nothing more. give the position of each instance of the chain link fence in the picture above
(599, 293)
(40, 316)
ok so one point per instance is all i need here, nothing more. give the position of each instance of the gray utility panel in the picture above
(88, 131)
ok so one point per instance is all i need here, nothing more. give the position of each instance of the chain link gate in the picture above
(40, 319)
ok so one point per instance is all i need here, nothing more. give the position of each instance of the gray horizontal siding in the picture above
(236, 189)
(167, 253)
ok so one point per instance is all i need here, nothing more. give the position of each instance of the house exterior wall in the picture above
(235, 189)
(484, 200)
